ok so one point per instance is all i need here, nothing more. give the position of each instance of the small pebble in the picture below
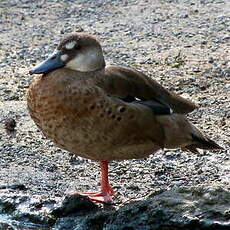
(10, 124)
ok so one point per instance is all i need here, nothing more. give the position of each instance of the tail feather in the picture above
(205, 143)
(190, 148)
(202, 143)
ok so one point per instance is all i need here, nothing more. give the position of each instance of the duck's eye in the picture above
(70, 45)
(76, 47)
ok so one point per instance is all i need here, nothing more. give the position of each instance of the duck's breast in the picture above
(79, 117)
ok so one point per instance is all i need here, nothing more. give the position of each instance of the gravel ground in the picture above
(183, 44)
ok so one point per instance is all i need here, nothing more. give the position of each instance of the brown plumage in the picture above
(107, 113)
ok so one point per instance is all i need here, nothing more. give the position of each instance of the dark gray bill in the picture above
(51, 63)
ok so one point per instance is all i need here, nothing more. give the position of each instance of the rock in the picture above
(181, 208)
(14, 187)
(25, 211)
(5, 226)
(74, 204)
(10, 124)
(199, 207)
(87, 222)
(227, 87)
(211, 60)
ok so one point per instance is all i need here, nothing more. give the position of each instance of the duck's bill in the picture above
(51, 63)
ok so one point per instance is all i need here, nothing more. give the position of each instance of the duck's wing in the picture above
(134, 86)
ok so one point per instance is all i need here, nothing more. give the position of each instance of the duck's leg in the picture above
(106, 193)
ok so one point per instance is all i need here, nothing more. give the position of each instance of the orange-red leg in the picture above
(106, 193)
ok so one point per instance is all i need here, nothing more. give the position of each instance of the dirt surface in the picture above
(183, 44)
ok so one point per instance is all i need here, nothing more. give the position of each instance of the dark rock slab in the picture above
(200, 207)
(183, 208)
(96, 221)
(22, 211)
(5, 226)
(180, 208)
(74, 204)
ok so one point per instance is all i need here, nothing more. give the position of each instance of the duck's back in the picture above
(73, 110)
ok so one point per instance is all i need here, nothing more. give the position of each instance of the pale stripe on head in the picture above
(70, 45)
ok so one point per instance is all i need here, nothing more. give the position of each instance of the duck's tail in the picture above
(180, 133)
(201, 142)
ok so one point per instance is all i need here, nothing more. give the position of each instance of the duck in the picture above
(106, 113)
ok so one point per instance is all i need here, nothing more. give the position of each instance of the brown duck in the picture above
(107, 113)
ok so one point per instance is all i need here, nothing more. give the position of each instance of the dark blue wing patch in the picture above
(155, 106)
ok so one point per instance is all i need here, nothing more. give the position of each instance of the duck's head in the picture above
(77, 51)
